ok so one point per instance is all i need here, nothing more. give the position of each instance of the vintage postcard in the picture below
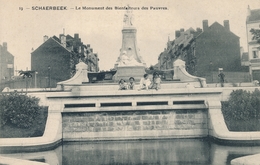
(156, 71)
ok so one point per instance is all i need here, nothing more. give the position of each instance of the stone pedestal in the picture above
(129, 63)
(125, 72)
(129, 52)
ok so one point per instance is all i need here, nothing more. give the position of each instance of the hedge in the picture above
(18, 109)
(242, 110)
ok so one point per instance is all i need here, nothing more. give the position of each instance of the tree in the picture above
(256, 35)
(151, 68)
(26, 75)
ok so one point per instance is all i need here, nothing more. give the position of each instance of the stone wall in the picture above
(134, 124)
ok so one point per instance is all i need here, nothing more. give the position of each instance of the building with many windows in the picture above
(253, 40)
(55, 59)
(204, 50)
(6, 64)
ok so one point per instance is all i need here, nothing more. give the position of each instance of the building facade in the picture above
(217, 47)
(252, 28)
(204, 50)
(55, 59)
(6, 64)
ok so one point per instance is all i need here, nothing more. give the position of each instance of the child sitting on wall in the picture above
(131, 83)
(122, 85)
(145, 82)
(156, 81)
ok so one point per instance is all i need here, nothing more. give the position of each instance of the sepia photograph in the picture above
(128, 82)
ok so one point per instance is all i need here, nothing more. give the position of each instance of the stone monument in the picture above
(79, 78)
(129, 62)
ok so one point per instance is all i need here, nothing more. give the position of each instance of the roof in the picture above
(216, 25)
(188, 40)
(183, 39)
(54, 38)
(254, 15)
(164, 53)
(68, 37)
(7, 52)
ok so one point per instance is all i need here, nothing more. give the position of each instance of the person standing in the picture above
(221, 78)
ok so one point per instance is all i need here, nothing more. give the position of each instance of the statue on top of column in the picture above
(128, 17)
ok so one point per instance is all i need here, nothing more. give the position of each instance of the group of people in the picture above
(124, 86)
(145, 83)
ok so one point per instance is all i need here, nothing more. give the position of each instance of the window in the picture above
(255, 54)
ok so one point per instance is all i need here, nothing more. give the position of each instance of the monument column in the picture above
(129, 62)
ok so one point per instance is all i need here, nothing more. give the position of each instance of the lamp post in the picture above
(211, 71)
(35, 79)
(49, 72)
(46, 82)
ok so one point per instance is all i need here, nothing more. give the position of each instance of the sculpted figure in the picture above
(128, 18)
(126, 60)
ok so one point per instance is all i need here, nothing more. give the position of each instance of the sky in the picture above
(23, 30)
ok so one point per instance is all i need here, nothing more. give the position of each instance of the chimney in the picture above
(45, 38)
(76, 35)
(177, 34)
(91, 50)
(88, 45)
(181, 30)
(63, 40)
(248, 11)
(5, 46)
(226, 25)
(199, 30)
(205, 25)
(185, 36)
